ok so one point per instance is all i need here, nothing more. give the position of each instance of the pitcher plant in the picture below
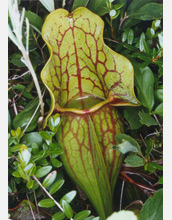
(86, 79)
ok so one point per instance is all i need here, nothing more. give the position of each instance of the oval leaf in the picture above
(46, 203)
(49, 179)
(67, 209)
(82, 215)
(153, 207)
(56, 186)
(58, 216)
(69, 196)
(43, 171)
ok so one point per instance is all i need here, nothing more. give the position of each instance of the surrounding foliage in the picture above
(38, 187)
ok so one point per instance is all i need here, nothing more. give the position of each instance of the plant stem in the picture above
(50, 196)
(30, 207)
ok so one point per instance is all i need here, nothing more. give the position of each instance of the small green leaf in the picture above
(126, 147)
(15, 59)
(147, 119)
(21, 172)
(148, 12)
(156, 24)
(49, 179)
(53, 122)
(136, 4)
(146, 47)
(45, 135)
(29, 184)
(134, 161)
(43, 171)
(22, 119)
(67, 209)
(15, 148)
(79, 3)
(141, 45)
(33, 137)
(120, 137)
(159, 110)
(153, 207)
(58, 216)
(24, 155)
(144, 80)
(56, 186)
(68, 197)
(16, 174)
(159, 94)
(124, 36)
(131, 114)
(35, 148)
(34, 19)
(56, 163)
(149, 146)
(161, 180)
(98, 7)
(46, 203)
(130, 36)
(82, 215)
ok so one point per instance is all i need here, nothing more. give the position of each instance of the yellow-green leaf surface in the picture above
(81, 64)
(83, 160)
(86, 79)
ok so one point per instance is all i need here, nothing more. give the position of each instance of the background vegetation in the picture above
(38, 185)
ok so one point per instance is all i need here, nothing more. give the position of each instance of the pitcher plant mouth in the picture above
(81, 63)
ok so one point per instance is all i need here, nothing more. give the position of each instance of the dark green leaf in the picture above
(33, 137)
(46, 203)
(49, 179)
(134, 161)
(16, 60)
(68, 197)
(15, 148)
(56, 163)
(153, 207)
(35, 148)
(56, 186)
(34, 19)
(142, 56)
(98, 7)
(79, 3)
(141, 45)
(147, 119)
(130, 36)
(58, 216)
(159, 94)
(161, 180)
(82, 215)
(149, 146)
(136, 4)
(22, 119)
(67, 209)
(120, 137)
(144, 80)
(148, 12)
(132, 116)
(159, 110)
(45, 135)
(29, 184)
(43, 171)
(23, 89)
